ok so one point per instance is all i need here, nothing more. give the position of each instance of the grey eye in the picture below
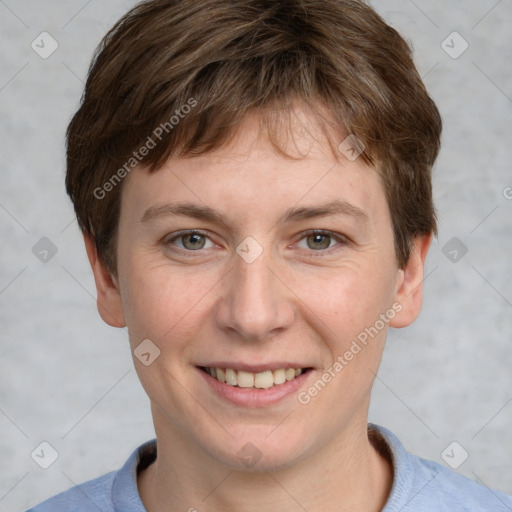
(190, 241)
(193, 241)
(318, 241)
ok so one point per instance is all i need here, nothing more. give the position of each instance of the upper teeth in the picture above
(262, 380)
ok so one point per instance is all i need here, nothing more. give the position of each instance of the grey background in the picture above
(67, 378)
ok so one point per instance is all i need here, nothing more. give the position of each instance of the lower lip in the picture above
(254, 397)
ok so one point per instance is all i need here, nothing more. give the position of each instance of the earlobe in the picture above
(109, 303)
(409, 293)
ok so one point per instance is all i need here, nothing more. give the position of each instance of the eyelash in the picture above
(342, 241)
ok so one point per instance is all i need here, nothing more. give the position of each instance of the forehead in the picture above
(250, 176)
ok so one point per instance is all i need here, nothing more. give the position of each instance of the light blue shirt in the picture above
(419, 486)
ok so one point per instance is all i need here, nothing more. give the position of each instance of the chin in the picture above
(258, 451)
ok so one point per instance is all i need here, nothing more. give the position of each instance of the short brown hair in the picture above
(225, 58)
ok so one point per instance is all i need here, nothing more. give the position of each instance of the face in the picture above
(254, 264)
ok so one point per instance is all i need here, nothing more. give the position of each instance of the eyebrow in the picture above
(293, 214)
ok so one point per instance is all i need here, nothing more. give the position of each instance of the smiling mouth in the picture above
(262, 380)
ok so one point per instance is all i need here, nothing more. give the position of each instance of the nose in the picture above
(255, 301)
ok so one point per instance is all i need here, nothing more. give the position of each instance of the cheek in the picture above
(162, 303)
(350, 298)
(348, 308)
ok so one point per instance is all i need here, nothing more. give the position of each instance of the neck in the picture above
(349, 473)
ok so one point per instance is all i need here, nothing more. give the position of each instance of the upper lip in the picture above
(255, 368)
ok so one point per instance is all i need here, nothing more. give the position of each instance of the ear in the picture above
(409, 290)
(110, 305)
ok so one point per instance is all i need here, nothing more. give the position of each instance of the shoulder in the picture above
(89, 496)
(109, 493)
(438, 486)
(422, 485)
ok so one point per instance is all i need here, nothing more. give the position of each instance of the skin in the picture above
(295, 302)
